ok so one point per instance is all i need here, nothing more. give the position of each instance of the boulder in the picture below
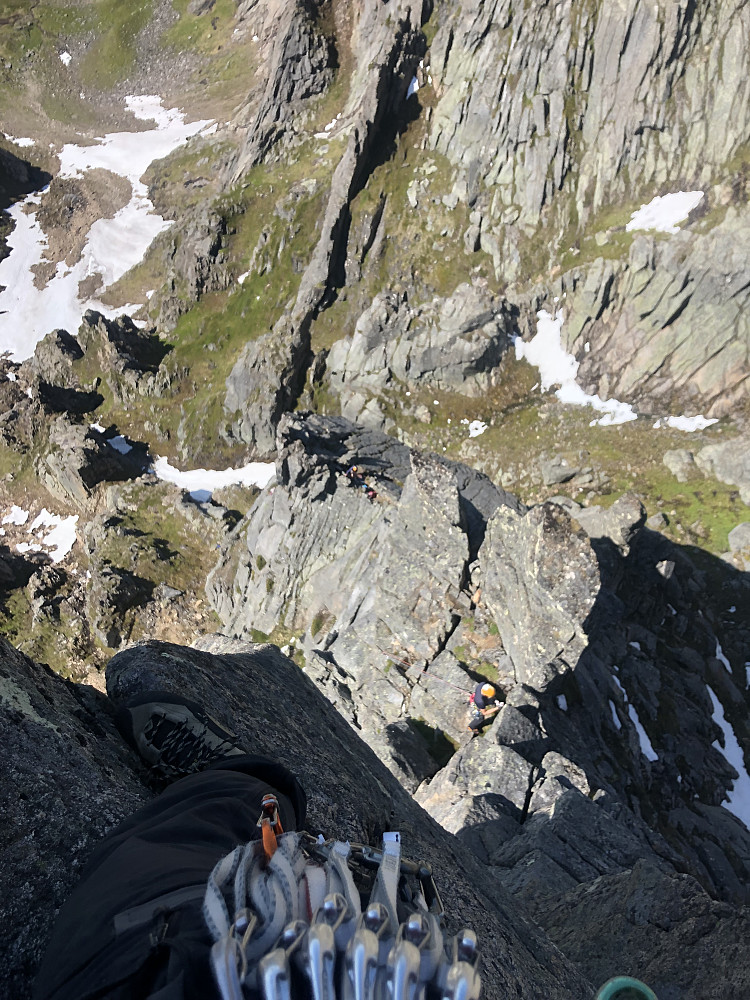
(729, 462)
(76, 458)
(557, 470)
(680, 463)
(739, 544)
(129, 359)
(454, 343)
(540, 581)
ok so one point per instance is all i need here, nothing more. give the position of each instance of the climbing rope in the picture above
(425, 671)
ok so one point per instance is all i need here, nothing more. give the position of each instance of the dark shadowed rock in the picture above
(662, 927)
(67, 780)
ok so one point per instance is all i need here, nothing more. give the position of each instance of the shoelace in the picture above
(186, 748)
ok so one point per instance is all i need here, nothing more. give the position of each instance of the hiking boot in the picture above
(173, 735)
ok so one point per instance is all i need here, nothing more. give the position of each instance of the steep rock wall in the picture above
(77, 779)
(597, 100)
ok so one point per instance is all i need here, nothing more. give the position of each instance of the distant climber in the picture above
(355, 477)
(485, 705)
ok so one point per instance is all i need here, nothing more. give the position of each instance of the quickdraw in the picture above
(371, 858)
(391, 947)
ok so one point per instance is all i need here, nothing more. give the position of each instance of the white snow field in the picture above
(556, 367)
(114, 245)
(663, 213)
(50, 532)
(201, 483)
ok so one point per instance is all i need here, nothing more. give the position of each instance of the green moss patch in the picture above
(206, 33)
(113, 53)
(150, 538)
(57, 636)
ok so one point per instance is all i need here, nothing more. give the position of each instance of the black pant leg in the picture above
(107, 929)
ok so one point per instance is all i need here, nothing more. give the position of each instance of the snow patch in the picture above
(663, 213)
(97, 427)
(722, 658)
(562, 702)
(476, 427)
(615, 716)
(58, 540)
(17, 516)
(120, 444)
(113, 246)
(65, 58)
(243, 277)
(205, 481)
(23, 143)
(738, 799)
(688, 424)
(556, 367)
(413, 87)
(646, 748)
(635, 645)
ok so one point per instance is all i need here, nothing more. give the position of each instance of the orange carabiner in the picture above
(270, 825)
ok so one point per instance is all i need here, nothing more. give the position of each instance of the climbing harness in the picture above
(335, 921)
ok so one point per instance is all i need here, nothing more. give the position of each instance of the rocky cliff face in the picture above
(77, 779)
(396, 191)
(596, 631)
(552, 125)
(594, 101)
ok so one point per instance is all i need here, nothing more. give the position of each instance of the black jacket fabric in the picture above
(133, 927)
